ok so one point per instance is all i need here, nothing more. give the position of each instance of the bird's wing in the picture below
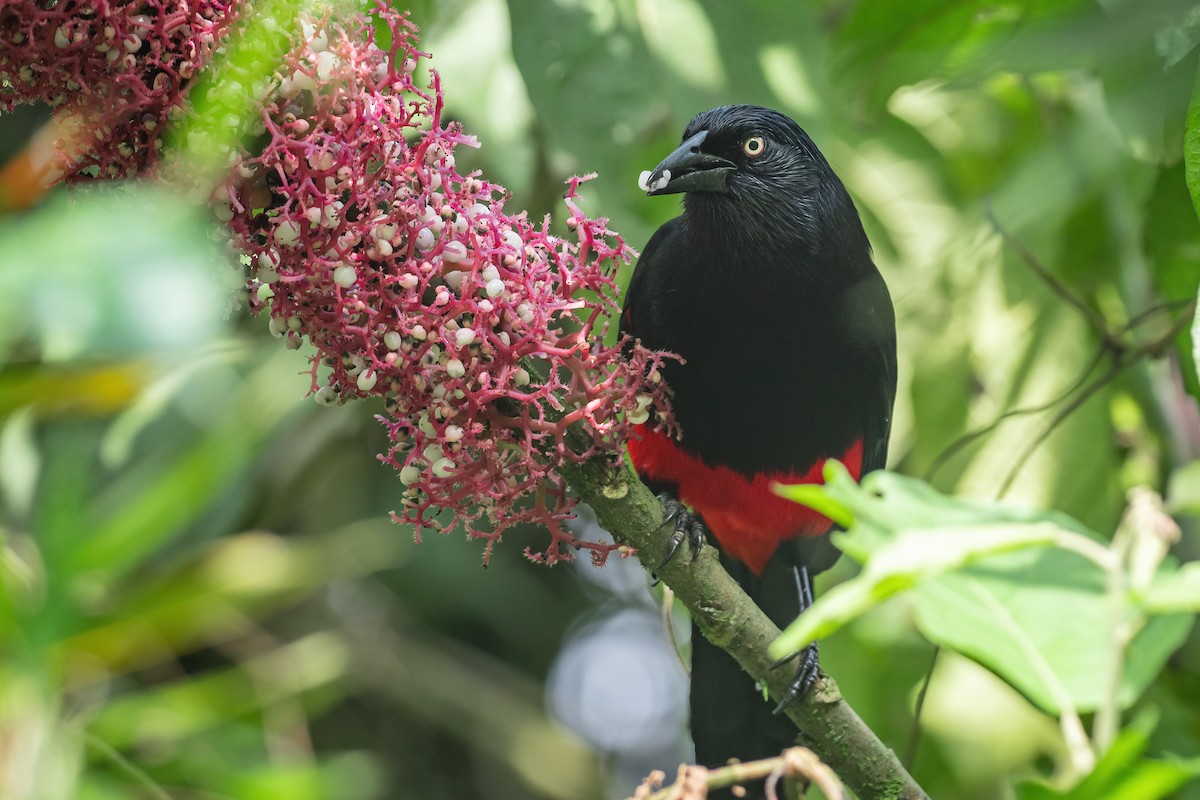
(877, 426)
(873, 321)
(879, 412)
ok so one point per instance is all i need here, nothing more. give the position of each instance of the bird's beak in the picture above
(688, 169)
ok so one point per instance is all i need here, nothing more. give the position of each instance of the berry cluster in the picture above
(116, 72)
(482, 331)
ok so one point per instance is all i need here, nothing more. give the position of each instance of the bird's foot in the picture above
(687, 528)
(802, 682)
(810, 662)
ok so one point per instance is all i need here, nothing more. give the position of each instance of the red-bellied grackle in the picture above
(765, 286)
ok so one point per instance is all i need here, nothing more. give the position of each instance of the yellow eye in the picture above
(754, 146)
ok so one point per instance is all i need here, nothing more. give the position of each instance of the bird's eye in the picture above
(754, 146)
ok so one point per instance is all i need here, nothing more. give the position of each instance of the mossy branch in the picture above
(730, 619)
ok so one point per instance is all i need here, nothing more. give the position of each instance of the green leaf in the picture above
(815, 497)
(1196, 325)
(1123, 774)
(986, 582)
(1175, 591)
(900, 565)
(887, 504)
(1042, 620)
(907, 533)
(1191, 153)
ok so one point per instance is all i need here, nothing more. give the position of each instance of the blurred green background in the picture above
(201, 595)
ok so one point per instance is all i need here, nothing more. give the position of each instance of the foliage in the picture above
(201, 590)
(1035, 596)
(1122, 772)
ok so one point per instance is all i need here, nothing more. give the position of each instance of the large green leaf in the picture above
(1175, 591)
(1041, 619)
(988, 581)
(904, 532)
(1191, 146)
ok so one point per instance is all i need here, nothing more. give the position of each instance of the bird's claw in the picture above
(688, 528)
(810, 662)
(802, 682)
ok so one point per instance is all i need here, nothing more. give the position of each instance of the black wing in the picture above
(871, 329)
(881, 358)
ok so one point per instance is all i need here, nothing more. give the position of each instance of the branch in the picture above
(1113, 343)
(730, 619)
(795, 762)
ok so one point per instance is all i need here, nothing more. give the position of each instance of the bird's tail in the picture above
(731, 717)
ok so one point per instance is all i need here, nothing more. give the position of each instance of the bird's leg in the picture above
(810, 665)
(688, 527)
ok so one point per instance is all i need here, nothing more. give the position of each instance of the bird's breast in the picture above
(742, 511)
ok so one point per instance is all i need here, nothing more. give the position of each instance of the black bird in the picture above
(765, 286)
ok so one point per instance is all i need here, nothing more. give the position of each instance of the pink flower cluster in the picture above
(482, 331)
(116, 71)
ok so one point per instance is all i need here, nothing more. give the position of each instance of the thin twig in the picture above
(125, 765)
(795, 762)
(668, 602)
(1123, 354)
(1058, 287)
(969, 437)
(1126, 356)
(1105, 347)
(1145, 314)
(914, 734)
(1081, 398)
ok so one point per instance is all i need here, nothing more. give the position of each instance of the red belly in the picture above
(746, 517)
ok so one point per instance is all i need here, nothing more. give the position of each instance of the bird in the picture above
(766, 289)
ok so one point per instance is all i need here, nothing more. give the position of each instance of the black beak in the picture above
(688, 169)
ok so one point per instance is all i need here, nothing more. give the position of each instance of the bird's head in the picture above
(734, 149)
(750, 162)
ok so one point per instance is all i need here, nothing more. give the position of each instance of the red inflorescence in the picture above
(482, 331)
(115, 71)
